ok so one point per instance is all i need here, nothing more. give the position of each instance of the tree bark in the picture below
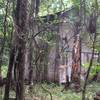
(10, 67)
(30, 63)
(20, 31)
(17, 57)
(76, 60)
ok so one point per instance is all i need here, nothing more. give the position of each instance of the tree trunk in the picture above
(76, 60)
(30, 63)
(20, 72)
(9, 74)
(20, 34)
(17, 57)
(32, 30)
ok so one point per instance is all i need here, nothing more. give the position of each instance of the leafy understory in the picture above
(38, 93)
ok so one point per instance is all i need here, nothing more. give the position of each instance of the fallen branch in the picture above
(47, 91)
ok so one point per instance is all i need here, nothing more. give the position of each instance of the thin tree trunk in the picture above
(30, 63)
(93, 48)
(32, 30)
(9, 74)
(88, 71)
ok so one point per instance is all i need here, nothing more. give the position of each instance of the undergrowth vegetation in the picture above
(38, 93)
(43, 91)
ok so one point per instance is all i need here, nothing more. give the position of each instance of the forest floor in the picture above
(42, 92)
(39, 93)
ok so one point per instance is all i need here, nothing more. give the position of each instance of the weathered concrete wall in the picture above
(58, 55)
(51, 64)
(66, 42)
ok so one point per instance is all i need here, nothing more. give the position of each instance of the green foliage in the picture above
(86, 65)
(76, 3)
(4, 71)
(53, 6)
(94, 69)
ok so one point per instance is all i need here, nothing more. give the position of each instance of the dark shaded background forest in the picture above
(49, 49)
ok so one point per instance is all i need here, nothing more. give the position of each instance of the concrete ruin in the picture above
(61, 52)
